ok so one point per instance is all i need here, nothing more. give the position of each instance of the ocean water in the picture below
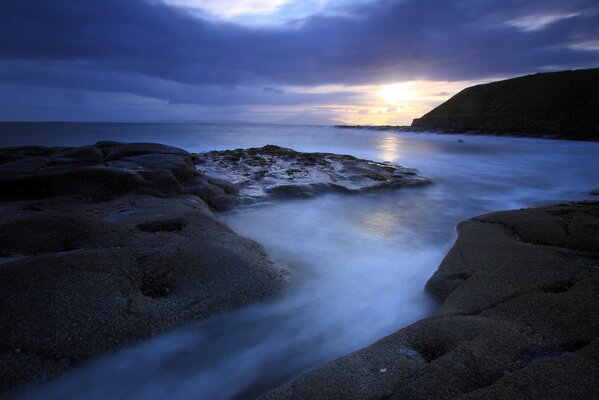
(359, 263)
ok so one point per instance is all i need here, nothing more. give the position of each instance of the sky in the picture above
(275, 61)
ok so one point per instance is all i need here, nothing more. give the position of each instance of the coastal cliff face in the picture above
(557, 104)
(518, 320)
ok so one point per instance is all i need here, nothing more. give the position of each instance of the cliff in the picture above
(558, 104)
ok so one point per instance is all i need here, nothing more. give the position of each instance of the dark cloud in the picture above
(150, 49)
(273, 90)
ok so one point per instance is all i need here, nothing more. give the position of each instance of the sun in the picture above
(398, 93)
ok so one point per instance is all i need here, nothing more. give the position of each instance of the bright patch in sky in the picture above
(586, 46)
(262, 12)
(228, 9)
(537, 22)
(391, 104)
(398, 93)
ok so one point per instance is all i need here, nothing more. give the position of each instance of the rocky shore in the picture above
(104, 245)
(519, 296)
(273, 171)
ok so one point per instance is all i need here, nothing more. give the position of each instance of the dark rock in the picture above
(99, 257)
(27, 151)
(91, 182)
(304, 190)
(214, 195)
(34, 233)
(107, 144)
(181, 166)
(520, 293)
(29, 165)
(228, 187)
(116, 151)
(85, 155)
(163, 225)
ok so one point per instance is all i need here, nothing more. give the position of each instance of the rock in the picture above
(97, 257)
(181, 166)
(305, 190)
(117, 151)
(213, 194)
(271, 171)
(228, 187)
(23, 166)
(86, 155)
(101, 172)
(520, 296)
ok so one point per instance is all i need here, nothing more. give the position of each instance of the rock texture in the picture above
(104, 245)
(272, 171)
(558, 104)
(518, 320)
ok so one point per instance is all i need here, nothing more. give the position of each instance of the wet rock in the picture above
(305, 190)
(520, 296)
(272, 171)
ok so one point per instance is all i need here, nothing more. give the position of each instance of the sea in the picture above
(358, 263)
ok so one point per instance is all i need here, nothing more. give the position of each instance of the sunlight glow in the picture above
(398, 93)
(228, 9)
(389, 104)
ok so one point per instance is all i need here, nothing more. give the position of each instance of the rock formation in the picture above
(104, 245)
(273, 171)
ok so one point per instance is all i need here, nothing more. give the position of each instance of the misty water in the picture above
(359, 263)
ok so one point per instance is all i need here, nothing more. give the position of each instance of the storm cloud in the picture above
(152, 49)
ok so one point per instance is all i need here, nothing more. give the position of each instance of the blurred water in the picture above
(359, 262)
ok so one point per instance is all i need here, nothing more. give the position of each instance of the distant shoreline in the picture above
(405, 128)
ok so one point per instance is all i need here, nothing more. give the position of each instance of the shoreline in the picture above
(107, 244)
(509, 134)
(99, 200)
(519, 296)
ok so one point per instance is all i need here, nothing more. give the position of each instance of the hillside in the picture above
(557, 104)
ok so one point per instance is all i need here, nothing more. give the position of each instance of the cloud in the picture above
(273, 90)
(156, 50)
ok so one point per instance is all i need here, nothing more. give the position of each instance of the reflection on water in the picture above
(376, 222)
(388, 147)
(359, 262)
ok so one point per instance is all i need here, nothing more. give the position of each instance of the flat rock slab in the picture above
(518, 320)
(104, 245)
(272, 171)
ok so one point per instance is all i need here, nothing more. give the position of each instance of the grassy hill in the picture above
(558, 104)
